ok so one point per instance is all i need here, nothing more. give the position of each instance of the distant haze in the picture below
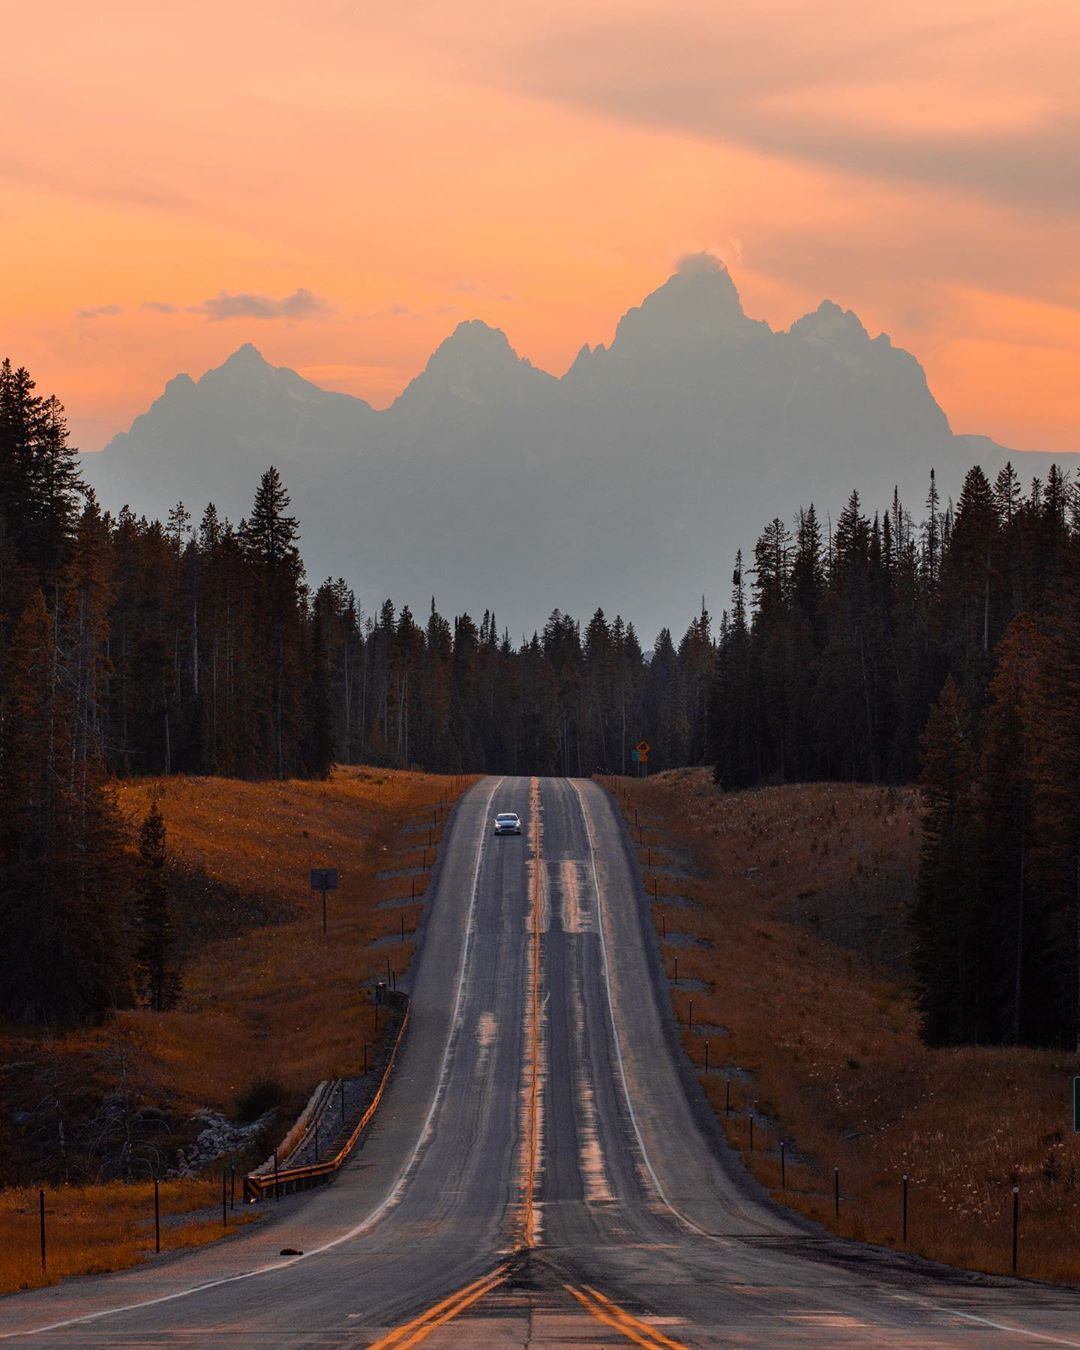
(627, 484)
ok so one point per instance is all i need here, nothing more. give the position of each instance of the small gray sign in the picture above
(324, 878)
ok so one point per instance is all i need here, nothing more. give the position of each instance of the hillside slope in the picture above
(785, 910)
(265, 996)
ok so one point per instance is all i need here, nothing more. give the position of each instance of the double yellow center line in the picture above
(609, 1312)
(528, 1218)
(412, 1333)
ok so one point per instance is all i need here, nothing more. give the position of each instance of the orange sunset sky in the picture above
(341, 183)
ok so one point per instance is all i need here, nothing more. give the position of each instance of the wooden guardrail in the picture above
(284, 1179)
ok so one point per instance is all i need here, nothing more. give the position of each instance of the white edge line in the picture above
(1047, 1336)
(380, 1209)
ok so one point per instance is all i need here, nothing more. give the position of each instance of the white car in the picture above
(507, 823)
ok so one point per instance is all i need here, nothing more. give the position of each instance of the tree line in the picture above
(882, 651)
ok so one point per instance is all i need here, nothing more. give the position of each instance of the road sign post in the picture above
(641, 755)
(324, 879)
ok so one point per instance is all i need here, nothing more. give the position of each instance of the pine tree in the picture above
(158, 979)
(948, 936)
(64, 879)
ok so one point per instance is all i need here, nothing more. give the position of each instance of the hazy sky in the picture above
(343, 182)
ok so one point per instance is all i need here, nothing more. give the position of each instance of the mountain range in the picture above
(626, 484)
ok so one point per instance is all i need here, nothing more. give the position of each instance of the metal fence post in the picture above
(904, 1216)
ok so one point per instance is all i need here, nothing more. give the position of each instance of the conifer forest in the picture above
(885, 646)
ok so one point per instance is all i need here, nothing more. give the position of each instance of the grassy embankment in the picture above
(799, 900)
(268, 1003)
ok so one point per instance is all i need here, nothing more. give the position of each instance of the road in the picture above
(541, 1171)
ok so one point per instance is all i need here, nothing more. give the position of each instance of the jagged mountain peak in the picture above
(474, 340)
(831, 325)
(246, 357)
(696, 310)
(476, 364)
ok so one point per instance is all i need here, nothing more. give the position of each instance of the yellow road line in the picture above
(608, 1312)
(443, 1311)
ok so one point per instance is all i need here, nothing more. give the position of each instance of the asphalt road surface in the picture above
(541, 1172)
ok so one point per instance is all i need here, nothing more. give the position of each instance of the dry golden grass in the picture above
(260, 1000)
(822, 1044)
(93, 1229)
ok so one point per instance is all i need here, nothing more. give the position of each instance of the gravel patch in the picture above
(708, 1029)
(685, 940)
(391, 940)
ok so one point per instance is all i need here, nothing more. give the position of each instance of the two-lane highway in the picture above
(541, 1171)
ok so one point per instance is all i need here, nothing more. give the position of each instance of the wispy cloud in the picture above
(302, 304)
(764, 84)
(99, 312)
(159, 307)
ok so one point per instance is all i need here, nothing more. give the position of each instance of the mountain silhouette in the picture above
(628, 483)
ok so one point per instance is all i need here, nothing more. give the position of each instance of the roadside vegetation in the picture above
(794, 952)
(267, 1008)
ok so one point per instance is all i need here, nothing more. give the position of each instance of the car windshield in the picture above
(506, 815)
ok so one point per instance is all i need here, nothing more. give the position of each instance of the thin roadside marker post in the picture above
(783, 1167)
(1015, 1225)
(277, 1188)
(224, 1198)
(323, 879)
(836, 1190)
(157, 1219)
(903, 1219)
(750, 1118)
(41, 1225)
